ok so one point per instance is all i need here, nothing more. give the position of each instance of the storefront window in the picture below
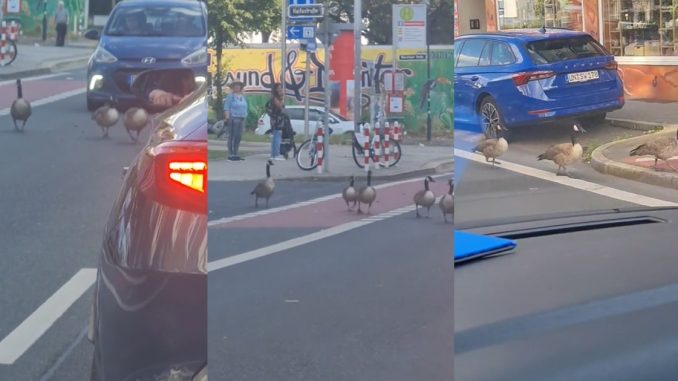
(641, 27)
(521, 14)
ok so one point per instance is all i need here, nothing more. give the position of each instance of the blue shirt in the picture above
(236, 106)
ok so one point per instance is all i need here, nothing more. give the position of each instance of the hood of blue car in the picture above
(161, 48)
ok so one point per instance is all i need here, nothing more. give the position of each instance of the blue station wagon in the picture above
(528, 77)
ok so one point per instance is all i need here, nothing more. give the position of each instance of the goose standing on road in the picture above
(21, 108)
(106, 116)
(265, 188)
(492, 148)
(367, 194)
(425, 197)
(447, 202)
(135, 119)
(349, 194)
(663, 148)
(565, 154)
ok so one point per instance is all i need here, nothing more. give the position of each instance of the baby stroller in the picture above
(287, 144)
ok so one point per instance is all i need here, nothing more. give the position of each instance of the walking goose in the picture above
(106, 116)
(663, 148)
(367, 194)
(349, 194)
(447, 202)
(135, 119)
(21, 108)
(565, 154)
(265, 188)
(492, 148)
(425, 197)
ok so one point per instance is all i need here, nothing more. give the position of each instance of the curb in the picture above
(68, 64)
(603, 164)
(635, 124)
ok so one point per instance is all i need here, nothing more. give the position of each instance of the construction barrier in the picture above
(366, 145)
(3, 42)
(319, 148)
(377, 147)
(387, 149)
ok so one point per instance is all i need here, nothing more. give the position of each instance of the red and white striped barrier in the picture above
(319, 148)
(377, 145)
(3, 42)
(387, 149)
(396, 131)
(13, 30)
(366, 145)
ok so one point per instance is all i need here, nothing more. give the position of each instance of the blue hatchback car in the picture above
(141, 35)
(532, 77)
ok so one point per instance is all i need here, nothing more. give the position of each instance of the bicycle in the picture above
(11, 50)
(394, 151)
(307, 151)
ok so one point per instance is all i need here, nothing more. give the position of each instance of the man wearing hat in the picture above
(235, 112)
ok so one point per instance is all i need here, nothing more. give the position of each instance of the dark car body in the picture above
(149, 313)
(533, 77)
(122, 54)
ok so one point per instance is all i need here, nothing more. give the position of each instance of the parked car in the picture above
(530, 77)
(338, 124)
(141, 35)
(149, 312)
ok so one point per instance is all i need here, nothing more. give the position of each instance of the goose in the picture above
(565, 154)
(265, 188)
(447, 202)
(661, 148)
(367, 194)
(135, 119)
(493, 148)
(21, 108)
(106, 116)
(425, 197)
(349, 194)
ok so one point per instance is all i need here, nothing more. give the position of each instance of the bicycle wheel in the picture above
(396, 153)
(306, 156)
(358, 154)
(10, 53)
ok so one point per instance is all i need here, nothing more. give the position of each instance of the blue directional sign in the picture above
(292, 3)
(300, 32)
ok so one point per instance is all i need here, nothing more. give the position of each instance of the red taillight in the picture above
(523, 78)
(612, 65)
(179, 176)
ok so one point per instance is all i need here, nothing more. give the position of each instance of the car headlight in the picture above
(199, 57)
(102, 55)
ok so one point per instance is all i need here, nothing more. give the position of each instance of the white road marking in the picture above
(300, 241)
(52, 99)
(31, 329)
(584, 185)
(314, 201)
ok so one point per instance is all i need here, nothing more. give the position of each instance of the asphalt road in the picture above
(372, 303)
(59, 180)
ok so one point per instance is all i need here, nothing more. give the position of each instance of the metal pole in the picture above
(357, 71)
(307, 79)
(283, 39)
(328, 100)
(428, 62)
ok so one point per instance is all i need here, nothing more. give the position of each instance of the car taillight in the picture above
(179, 177)
(523, 78)
(612, 65)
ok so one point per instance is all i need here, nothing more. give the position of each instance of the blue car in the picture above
(532, 77)
(141, 35)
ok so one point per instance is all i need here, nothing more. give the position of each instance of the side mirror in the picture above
(92, 34)
(179, 82)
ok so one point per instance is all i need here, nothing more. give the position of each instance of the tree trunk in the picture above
(219, 75)
(266, 37)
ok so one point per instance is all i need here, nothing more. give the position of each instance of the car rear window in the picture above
(160, 21)
(564, 49)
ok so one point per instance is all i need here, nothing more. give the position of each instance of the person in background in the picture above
(61, 21)
(235, 112)
(275, 110)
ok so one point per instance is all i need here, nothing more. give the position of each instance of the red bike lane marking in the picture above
(330, 213)
(36, 90)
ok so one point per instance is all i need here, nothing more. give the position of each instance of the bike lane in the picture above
(35, 90)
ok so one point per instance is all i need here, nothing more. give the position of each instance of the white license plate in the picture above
(583, 76)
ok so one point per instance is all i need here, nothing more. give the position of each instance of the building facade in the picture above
(642, 34)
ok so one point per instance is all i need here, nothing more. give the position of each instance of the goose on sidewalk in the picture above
(425, 197)
(662, 148)
(106, 116)
(20, 109)
(265, 188)
(564, 154)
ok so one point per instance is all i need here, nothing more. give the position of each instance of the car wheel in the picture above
(489, 117)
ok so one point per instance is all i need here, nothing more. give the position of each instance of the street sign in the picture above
(300, 2)
(300, 32)
(304, 11)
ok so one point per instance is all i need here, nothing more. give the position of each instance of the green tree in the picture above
(539, 9)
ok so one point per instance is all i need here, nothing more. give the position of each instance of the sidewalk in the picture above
(613, 158)
(35, 60)
(417, 160)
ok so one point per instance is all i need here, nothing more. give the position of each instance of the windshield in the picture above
(159, 21)
(551, 51)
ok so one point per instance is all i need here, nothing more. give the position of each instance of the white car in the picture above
(338, 124)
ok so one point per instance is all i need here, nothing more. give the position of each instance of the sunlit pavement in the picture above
(331, 298)
(59, 183)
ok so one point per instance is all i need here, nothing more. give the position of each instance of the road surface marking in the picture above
(31, 79)
(52, 99)
(318, 200)
(602, 190)
(303, 240)
(31, 329)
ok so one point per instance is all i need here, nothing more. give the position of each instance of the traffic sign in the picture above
(300, 2)
(305, 11)
(300, 32)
